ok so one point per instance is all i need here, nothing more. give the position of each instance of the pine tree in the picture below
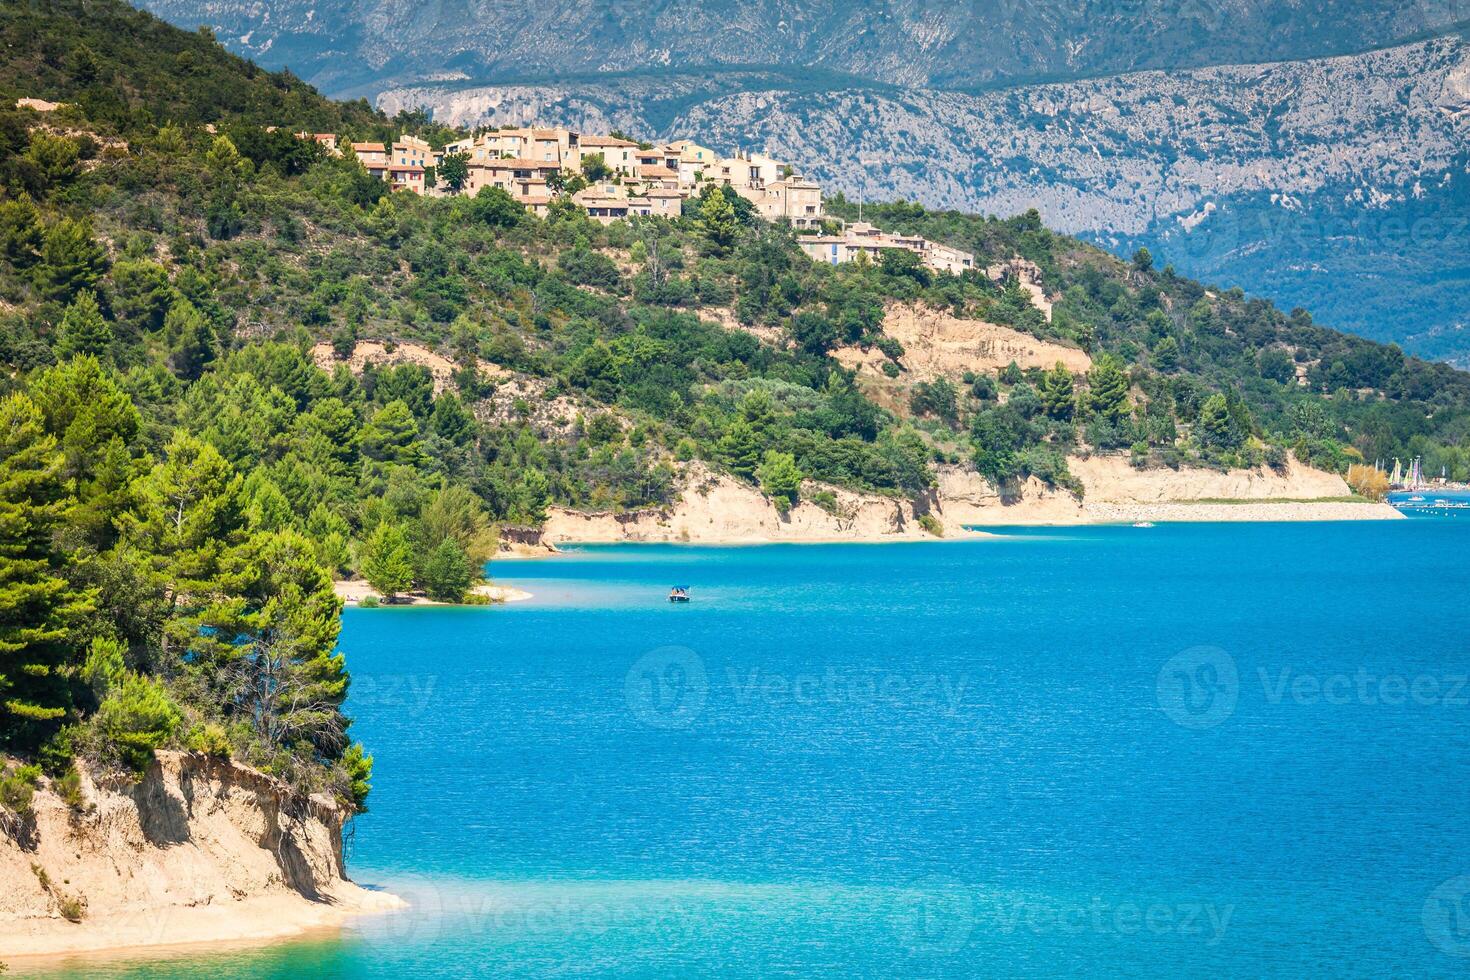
(39, 609)
(83, 329)
(717, 222)
(739, 449)
(278, 671)
(780, 479)
(1058, 397)
(387, 561)
(357, 772)
(451, 421)
(392, 435)
(1107, 394)
(20, 232)
(186, 525)
(71, 260)
(193, 340)
(1166, 355)
(293, 681)
(97, 426)
(1216, 429)
(455, 512)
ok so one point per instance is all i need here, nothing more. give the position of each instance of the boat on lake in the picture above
(679, 593)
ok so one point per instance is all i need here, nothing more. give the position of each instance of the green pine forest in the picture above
(181, 479)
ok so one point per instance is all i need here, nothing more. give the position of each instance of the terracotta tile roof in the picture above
(409, 169)
(657, 173)
(369, 148)
(606, 141)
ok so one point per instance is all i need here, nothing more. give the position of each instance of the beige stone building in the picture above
(406, 177)
(373, 156)
(327, 141)
(794, 199)
(693, 161)
(863, 239)
(651, 181)
(410, 151)
(618, 154)
(664, 203)
(522, 179)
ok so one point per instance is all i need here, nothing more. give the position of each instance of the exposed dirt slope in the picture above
(200, 850)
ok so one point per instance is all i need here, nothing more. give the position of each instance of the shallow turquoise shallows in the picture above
(1188, 750)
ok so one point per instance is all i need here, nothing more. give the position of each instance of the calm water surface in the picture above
(1192, 750)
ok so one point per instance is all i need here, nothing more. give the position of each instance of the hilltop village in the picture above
(613, 178)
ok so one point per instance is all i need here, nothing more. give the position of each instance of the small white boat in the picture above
(1144, 524)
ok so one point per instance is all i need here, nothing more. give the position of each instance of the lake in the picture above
(1189, 750)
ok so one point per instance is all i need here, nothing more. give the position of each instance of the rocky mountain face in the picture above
(344, 45)
(1338, 184)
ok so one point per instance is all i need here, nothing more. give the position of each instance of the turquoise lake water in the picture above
(1191, 750)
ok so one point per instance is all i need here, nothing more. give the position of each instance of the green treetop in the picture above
(71, 260)
(780, 479)
(387, 560)
(39, 610)
(83, 328)
(1058, 399)
(718, 223)
(1107, 390)
(453, 172)
(739, 449)
(447, 572)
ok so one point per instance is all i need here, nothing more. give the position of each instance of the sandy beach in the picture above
(248, 921)
(354, 591)
(202, 850)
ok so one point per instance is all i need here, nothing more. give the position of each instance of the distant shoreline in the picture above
(354, 591)
(975, 523)
(713, 508)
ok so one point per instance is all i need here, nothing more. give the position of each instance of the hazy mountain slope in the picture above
(122, 64)
(344, 45)
(1293, 179)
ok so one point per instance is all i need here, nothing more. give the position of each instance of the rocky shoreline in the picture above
(715, 509)
(200, 850)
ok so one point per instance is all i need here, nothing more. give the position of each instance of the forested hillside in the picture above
(192, 447)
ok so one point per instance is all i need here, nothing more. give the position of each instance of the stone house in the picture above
(373, 156)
